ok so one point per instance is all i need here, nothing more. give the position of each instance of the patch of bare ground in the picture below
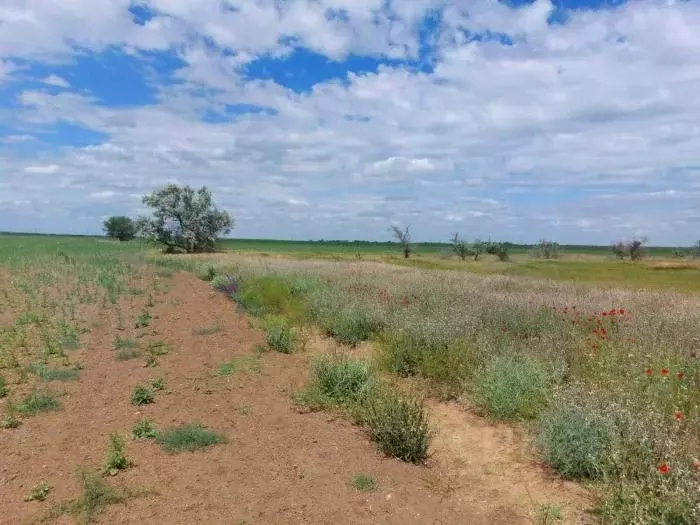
(278, 465)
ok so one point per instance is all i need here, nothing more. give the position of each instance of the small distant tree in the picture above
(499, 249)
(403, 237)
(478, 247)
(695, 250)
(184, 219)
(460, 247)
(633, 249)
(120, 227)
(546, 250)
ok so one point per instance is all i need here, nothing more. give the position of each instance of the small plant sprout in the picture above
(115, 460)
(364, 483)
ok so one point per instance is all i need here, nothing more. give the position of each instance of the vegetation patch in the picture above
(188, 438)
(144, 429)
(512, 389)
(142, 396)
(37, 402)
(244, 363)
(279, 335)
(364, 483)
(335, 381)
(38, 492)
(54, 374)
(128, 354)
(121, 343)
(115, 460)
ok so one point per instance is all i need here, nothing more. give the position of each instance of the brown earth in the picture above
(278, 465)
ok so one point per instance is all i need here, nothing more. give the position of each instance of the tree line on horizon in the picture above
(186, 220)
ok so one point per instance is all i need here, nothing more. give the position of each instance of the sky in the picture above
(576, 121)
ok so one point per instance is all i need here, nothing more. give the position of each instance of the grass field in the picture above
(597, 360)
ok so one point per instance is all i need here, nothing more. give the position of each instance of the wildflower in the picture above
(504, 330)
(632, 340)
(664, 372)
(680, 375)
(603, 331)
(604, 314)
(649, 372)
(595, 332)
(664, 469)
(622, 311)
(680, 416)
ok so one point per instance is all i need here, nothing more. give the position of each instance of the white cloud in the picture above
(17, 139)
(55, 80)
(536, 134)
(41, 169)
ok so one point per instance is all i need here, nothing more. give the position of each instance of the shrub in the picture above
(403, 237)
(115, 460)
(3, 387)
(397, 423)
(143, 320)
(121, 343)
(279, 335)
(37, 402)
(351, 326)
(158, 384)
(512, 388)
(340, 380)
(226, 284)
(575, 441)
(266, 295)
(144, 429)
(364, 483)
(461, 247)
(188, 437)
(142, 396)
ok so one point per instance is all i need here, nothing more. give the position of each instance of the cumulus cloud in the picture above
(580, 130)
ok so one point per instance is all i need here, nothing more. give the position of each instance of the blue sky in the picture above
(572, 120)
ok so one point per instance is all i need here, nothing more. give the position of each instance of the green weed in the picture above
(127, 355)
(364, 483)
(279, 335)
(144, 429)
(158, 384)
(54, 374)
(188, 438)
(207, 330)
(336, 380)
(143, 320)
(3, 387)
(142, 396)
(37, 402)
(548, 515)
(125, 343)
(115, 460)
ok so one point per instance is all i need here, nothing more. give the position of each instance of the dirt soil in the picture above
(278, 466)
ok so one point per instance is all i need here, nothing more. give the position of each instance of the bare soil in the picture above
(278, 466)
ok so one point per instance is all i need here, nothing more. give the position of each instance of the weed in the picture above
(512, 388)
(158, 348)
(158, 384)
(96, 495)
(244, 409)
(9, 421)
(143, 320)
(144, 429)
(397, 423)
(575, 441)
(207, 330)
(126, 355)
(38, 492)
(123, 343)
(3, 387)
(279, 335)
(548, 514)
(364, 483)
(115, 460)
(54, 374)
(190, 437)
(37, 402)
(142, 396)
(350, 326)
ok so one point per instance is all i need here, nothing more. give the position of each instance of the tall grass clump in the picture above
(397, 423)
(576, 441)
(336, 380)
(37, 402)
(188, 438)
(512, 389)
(279, 335)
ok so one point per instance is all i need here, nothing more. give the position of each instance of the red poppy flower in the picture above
(680, 416)
(664, 469)
(696, 464)
(604, 314)
(632, 340)
(595, 332)
(680, 375)
(649, 371)
(622, 311)
(664, 371)
(603, 331)
(504, 330)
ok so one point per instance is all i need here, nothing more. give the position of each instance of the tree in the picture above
(499, 249)
(120, 227)
(403, 237)
(546, 250)
(633, 249)
(695, 250)
(184, 219)
(460, 247)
